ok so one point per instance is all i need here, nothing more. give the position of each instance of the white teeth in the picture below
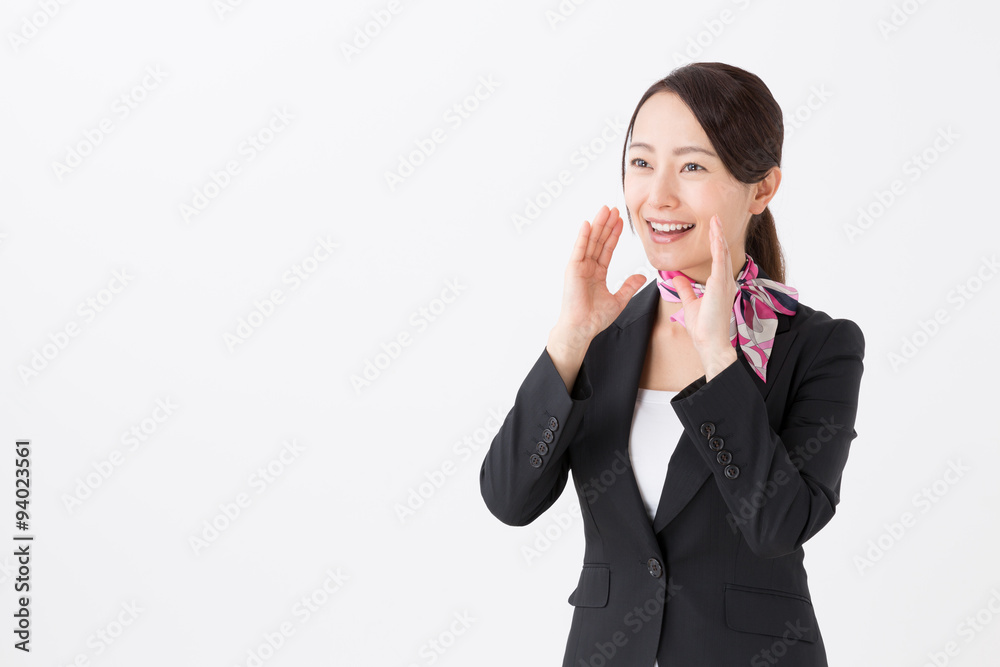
(669, 228)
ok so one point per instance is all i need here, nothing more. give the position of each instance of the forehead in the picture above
(665, 120)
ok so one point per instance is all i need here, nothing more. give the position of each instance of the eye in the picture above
(692, 164)
(638, 159)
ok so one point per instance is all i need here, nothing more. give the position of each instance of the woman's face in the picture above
(673, 175)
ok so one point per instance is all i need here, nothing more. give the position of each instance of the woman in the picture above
(707, 418)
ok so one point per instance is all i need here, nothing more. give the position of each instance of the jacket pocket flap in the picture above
(770, 612)
(592, 590)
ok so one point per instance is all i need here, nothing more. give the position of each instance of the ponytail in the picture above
(762, 244)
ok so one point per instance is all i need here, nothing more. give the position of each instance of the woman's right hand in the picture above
(588, 307)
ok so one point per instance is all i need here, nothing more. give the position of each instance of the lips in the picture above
(667, 237)
(668, 222)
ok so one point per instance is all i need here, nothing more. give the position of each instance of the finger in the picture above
(719, 272)
(630, 287)
(580, 245)
(606, 231)
(595, 229)
(724, 246)
(684, 290)
(611, 242)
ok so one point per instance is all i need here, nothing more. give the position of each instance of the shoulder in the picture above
(818, 331)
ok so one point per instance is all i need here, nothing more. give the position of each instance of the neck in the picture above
(664, 310)
(667, 308)
(701, 274)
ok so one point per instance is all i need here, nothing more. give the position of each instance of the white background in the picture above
(334, 506)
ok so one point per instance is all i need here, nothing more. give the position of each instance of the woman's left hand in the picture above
(707, 318)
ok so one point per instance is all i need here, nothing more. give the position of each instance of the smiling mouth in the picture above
(669, 230)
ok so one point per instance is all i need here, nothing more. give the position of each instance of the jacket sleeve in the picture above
(526, 466)
(781, 488)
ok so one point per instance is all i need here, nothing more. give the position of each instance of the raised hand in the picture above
(707, 318)
(588, 307)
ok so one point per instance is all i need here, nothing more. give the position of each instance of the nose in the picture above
(663, 191)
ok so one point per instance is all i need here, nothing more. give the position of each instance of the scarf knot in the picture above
(754, 321)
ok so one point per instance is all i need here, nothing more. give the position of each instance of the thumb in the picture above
(684, 289)
(630, 287)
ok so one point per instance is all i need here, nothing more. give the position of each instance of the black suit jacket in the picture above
(716, 579)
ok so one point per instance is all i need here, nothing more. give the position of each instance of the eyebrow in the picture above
(680, 150)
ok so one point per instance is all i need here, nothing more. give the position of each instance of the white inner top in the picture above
(655, 432)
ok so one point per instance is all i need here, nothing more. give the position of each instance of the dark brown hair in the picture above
(744, 123)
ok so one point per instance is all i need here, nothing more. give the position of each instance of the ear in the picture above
(765, 190)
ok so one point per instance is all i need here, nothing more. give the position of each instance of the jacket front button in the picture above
(724, 457)
(547, 435)
(732, 472)
(708, 429)
(535, 460)
(553, 423)
(542, 448)
(654, 567)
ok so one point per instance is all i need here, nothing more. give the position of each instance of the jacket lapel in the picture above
(686, 471)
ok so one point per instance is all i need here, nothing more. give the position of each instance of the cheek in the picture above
(721, 199)
(732, 195)
(635, 195)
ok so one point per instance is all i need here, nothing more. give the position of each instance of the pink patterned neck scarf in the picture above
(754, 321)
